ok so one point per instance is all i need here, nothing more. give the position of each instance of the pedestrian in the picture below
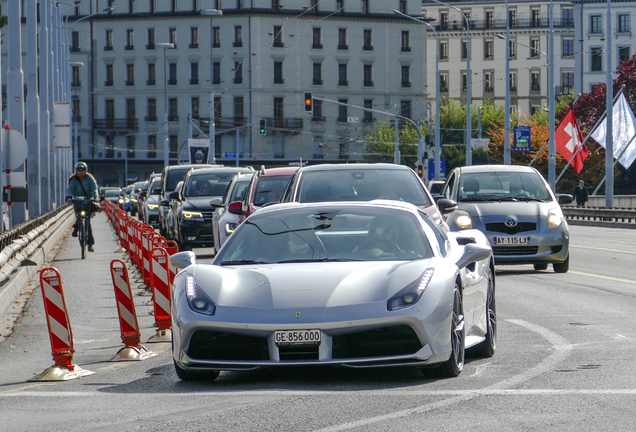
(82, 184)
(580, 193)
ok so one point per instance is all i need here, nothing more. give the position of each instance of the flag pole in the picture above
(615, 162)
(546, 143)
(589, 135)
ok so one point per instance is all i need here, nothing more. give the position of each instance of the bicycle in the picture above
(81, 205)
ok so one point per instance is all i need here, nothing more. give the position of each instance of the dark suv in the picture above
(170, 176)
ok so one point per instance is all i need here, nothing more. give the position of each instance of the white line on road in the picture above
(604, 249)
(604, 277)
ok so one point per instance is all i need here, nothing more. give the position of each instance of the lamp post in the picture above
(211, 13)
(507, 158)
(469, 149)
(437, 164)
(166, 143)
(75, 117)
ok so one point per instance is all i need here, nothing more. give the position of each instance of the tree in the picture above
(380, 145)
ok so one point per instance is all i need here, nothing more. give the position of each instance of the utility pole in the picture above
(33, 112)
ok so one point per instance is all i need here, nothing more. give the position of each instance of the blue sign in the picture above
(229, 155)
(522, 138)
(431, 169)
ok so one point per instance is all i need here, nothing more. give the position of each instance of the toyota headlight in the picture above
(153, 206)
(463, 219)
(412, 293)
(555, 218)
(230, 227)
(192, 215)
(197, 300)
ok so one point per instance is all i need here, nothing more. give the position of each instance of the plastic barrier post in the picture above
(130, 334)
(172, 248)
(146, 238)
(59, 330)
(121, 232)
(161, 294)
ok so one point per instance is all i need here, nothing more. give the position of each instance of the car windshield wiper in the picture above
(527, 199)
(473, 199)
(515, 199)
(325, 259)
(243, 262)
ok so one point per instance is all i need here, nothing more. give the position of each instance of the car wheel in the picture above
(540, 266)
(455, 364)
(186, 375)
(487, 348)
(562, 267)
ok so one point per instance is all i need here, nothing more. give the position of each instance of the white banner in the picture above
(623, 132)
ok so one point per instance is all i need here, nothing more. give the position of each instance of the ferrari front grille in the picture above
(503, 228)
(380, 342)
(214, 345)
(298, 352)
(516, 250)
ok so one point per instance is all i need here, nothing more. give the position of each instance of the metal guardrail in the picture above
(7, 237)
(601, 216)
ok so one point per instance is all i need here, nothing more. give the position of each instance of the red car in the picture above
(267, 186)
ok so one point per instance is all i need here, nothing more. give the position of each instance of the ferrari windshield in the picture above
(503, 186)
(327, 233)
(362, 185)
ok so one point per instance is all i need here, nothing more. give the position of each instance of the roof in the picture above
(385, 204)
(224, 170)
(172, 167)
(357, 166)
(280, 171)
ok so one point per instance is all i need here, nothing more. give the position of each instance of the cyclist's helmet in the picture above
(81, 165)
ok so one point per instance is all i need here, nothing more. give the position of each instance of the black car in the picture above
(194, 205)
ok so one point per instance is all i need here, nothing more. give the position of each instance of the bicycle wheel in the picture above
(82, 235)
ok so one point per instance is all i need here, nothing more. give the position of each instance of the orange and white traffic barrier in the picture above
(59, 330)
(160, 281)
(146, 243)
(130, 334)
(172, 248)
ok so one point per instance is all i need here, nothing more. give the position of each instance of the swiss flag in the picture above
(568, 139)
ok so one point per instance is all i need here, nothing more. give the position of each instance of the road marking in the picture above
(603, 277)
(603, 249)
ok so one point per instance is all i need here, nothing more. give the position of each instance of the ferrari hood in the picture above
(307, 285)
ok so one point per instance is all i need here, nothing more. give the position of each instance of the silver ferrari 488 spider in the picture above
(357, 284)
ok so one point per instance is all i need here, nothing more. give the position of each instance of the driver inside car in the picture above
(382, 239)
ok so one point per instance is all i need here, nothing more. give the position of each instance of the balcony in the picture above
(151, 82)
(500, 24)
(367, 48)
(318, 119)
(151, 118)
(115, 124)
(221, 123)
(108, 48)
(173, 117)
(488, 89)
(563, 90)
(443, 90)
(284, 124)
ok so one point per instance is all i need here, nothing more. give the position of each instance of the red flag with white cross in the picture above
(568, 139)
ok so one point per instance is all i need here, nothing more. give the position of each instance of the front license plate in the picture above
(297, 337)
(512, 241)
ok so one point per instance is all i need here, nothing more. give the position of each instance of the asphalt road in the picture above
(563, 362)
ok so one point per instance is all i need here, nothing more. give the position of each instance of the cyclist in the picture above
(82, 184)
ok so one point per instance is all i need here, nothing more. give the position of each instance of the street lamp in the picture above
(507, 158)
(75, 118)
(166, 143)
(437, 164)
(212, 12)
(551, 143)
(469, 149)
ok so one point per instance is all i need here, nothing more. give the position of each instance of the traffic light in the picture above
(308, 101)
(420, 170)
(263, 128)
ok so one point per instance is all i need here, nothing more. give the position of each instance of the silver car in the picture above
(357, 284)
(223, 222)
(151, 202)
(516, 210)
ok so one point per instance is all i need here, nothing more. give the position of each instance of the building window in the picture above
(342, 111)
(464, 82)
(318, 147)
(406, 43)
(172, 37)
(623, 23)
(340, 6)
(513, 49)
(76, 111)
(623, 53)
(173, 6)
(513, 81)
(75, 76)
(596, 24)
(130, 39)
(316, 38)
(402, 6)
(130, 74)
(464, 50)
(131, 112)
(279, 108)
(512, 17)
(365, 7)
(367, 40)
(490, 19)
(535, 81)
(75, 41)
(317, 114)
(276, 4)
(238, 36)
(597, 59)
(368, 115)
(567, 49)
(278, 36)
(406, 76)
(368, 75)
(317, 73)
(173, 146)
(278, 72)
(194, 107)
(567, 82)
(443, 50)
(216, 37)
(172, 74)
(443, 20)
(152, 74)
(489, 82)
(151, 39)
(405, 108)
(153, 6)
(238, 72)
(196, 6)
(342, 75)
(535, 43)
(536, 18)
(109, 75)
(194, 73)
(216, 73)
(342, 39)
(108, 45)
(315, 4)
(151, 110)
(489, 53)
(110, 147)
(194, 37)
(443, 82)
(152, 146)
(218, 109)
(568, 17)
(173, 109)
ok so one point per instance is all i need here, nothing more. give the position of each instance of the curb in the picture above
(602, 224)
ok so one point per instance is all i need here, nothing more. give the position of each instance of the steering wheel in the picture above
(376, 248)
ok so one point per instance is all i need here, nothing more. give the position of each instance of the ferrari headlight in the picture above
(197, 300)
(411, 294)
(555, 218)
(153, 206)
(463, 220)
(192, 215)
(230, 227)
